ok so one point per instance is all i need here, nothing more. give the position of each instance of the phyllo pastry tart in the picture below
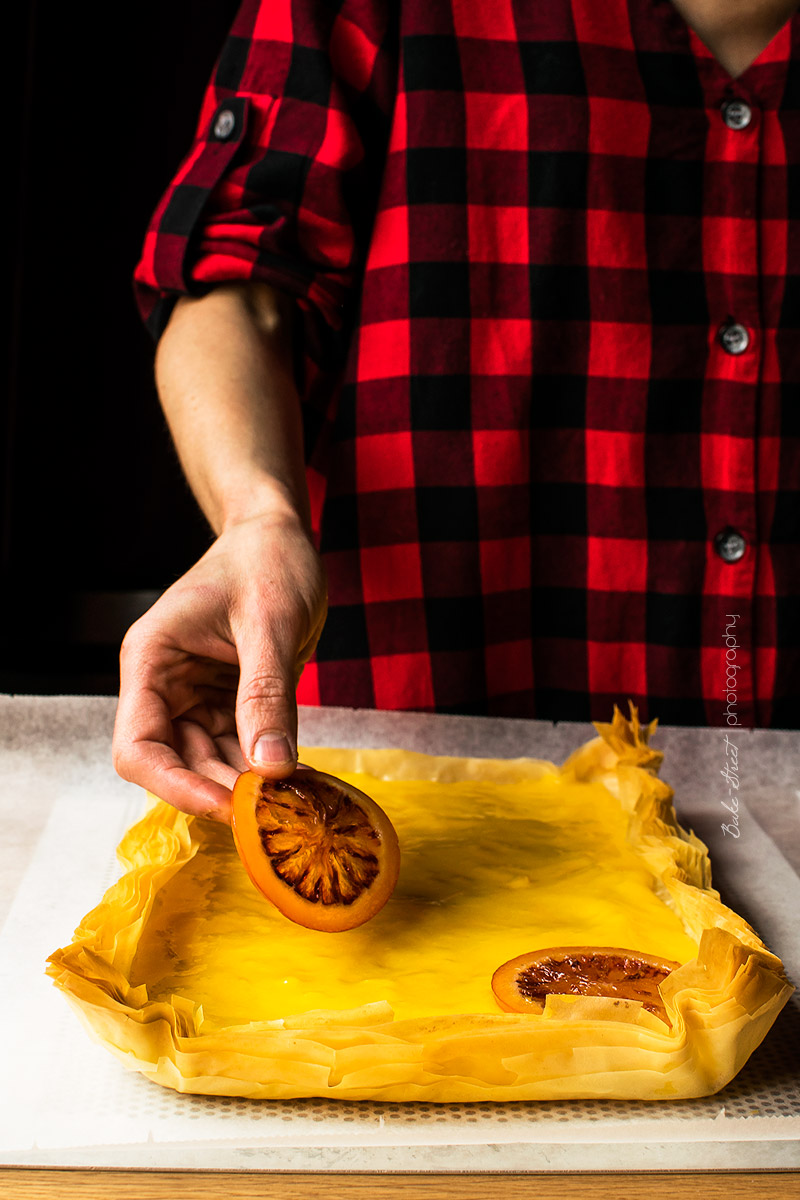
(549, 933)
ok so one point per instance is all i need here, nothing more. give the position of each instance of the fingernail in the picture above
(272, 747)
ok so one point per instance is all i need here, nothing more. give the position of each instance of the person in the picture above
(477, 338)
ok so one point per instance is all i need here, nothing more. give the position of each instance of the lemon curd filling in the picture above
(488, 871)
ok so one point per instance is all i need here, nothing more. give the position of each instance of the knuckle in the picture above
(135, 639)
(265, 687)
(122, 762)
(129, 642)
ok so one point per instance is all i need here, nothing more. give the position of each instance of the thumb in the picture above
(266, 710)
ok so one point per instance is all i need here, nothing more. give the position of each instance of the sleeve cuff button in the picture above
(224, 125)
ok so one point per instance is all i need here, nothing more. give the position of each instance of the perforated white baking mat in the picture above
(67, 1102)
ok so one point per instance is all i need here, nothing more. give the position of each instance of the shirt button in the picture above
(734, 339)
(224, 124)
(736, 114)
(730, 545)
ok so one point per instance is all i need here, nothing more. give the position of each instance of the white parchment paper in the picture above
(67, 1102)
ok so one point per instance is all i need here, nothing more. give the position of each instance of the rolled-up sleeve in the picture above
(282, 178)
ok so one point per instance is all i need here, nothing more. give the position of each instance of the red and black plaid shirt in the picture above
(548, 261)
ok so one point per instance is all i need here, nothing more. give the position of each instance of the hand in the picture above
(208, 674)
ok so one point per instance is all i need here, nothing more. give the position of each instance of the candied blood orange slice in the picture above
(322, 851)
(523, 983)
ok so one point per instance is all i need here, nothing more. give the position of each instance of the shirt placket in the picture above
(730, 400)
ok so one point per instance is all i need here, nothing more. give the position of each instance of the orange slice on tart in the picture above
(322, 851)
(523, 983)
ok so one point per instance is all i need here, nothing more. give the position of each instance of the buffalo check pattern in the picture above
(547, 258)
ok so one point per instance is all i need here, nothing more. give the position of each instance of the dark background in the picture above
(95, 517)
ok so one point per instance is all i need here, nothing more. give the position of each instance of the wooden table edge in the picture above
(43, 1183)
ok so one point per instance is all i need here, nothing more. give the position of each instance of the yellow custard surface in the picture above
(488, 871)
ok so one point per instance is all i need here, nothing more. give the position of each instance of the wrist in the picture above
(265, 499)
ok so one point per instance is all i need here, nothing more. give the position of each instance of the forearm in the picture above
(225, 381)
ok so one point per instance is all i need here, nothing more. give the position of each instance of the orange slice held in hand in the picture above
(322, 851)
(523, 983)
